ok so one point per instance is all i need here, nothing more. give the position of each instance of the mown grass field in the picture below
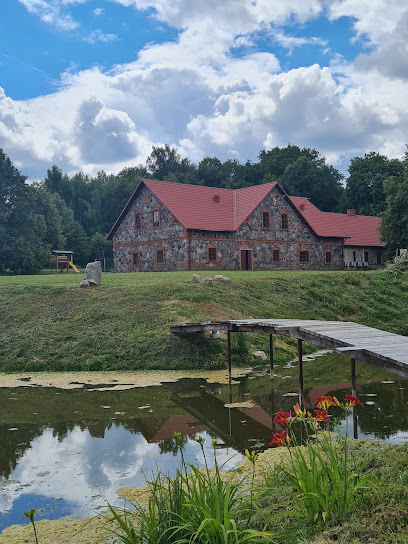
(49, 323)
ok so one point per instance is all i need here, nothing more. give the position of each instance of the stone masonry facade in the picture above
(273, 236)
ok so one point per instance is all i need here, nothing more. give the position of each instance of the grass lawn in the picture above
(49, 323)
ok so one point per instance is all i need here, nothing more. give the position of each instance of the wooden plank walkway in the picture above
(379, 348)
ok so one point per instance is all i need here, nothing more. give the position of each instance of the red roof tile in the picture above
(209, 208)
(195, 206)
(248, 198)
(203, 208)
(362, 229)
(318, 221)
(359, 230)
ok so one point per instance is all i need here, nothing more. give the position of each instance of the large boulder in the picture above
(93, 272)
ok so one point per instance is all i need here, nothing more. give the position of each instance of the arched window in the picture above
(136, 258)
(284, 221)
(156, 218)
(137, 222)
(276, 256)
(212, 254)
(159, 255)
(328, 257)
(266, 219)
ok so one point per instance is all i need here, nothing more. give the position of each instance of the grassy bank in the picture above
(49, 323)
(377, 516)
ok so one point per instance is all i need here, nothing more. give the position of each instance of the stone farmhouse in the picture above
(172, 226)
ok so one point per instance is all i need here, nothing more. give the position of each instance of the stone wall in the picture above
(171, 239)
(169, 236)
(251, 236)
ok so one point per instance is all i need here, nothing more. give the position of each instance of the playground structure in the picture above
(62, 260)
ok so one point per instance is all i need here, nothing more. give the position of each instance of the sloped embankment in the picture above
(48, 323)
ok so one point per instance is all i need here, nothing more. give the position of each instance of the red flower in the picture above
(321, 415)
(282, 417)
(353, 401)
(279, 439)
(325, 402)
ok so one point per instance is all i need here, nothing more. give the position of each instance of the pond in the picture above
(69, 451)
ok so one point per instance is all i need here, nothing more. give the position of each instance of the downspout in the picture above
(342, 253)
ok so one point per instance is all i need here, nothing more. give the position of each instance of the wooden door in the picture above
(246, 259)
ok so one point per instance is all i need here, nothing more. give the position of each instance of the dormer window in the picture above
(156, 218)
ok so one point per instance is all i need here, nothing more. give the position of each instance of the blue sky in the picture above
(93, 84)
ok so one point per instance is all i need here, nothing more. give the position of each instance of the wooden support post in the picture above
(272, 405)
(300, 372)
(354, 392)
(229, 354)
(353, 376)
(271, 354)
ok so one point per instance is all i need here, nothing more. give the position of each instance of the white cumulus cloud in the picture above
(197, 93)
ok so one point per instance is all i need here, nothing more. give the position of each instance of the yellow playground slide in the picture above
(71, 264)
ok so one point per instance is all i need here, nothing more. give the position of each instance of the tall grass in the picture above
(198, 505)
(328, 484)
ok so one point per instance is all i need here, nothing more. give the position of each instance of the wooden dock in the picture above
(379, 348)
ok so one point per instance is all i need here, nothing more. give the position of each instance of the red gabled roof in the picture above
(318, 221)
(248, 198)
(195, 206)
(359, 230)
(362, 229)
(210, 208)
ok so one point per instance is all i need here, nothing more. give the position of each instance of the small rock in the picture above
(207, 280)
(215, 335)
(92, 283)
(195, 278)
(84, 283)
(259, 355)
(220, 277)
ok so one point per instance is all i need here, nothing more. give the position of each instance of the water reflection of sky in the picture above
(73, 459)
(81, 473)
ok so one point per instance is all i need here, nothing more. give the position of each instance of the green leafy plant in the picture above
(327, 483)
(198, 505)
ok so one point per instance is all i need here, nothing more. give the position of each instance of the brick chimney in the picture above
(351, 212)
(217, 199)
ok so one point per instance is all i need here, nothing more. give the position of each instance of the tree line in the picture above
(76, 212)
